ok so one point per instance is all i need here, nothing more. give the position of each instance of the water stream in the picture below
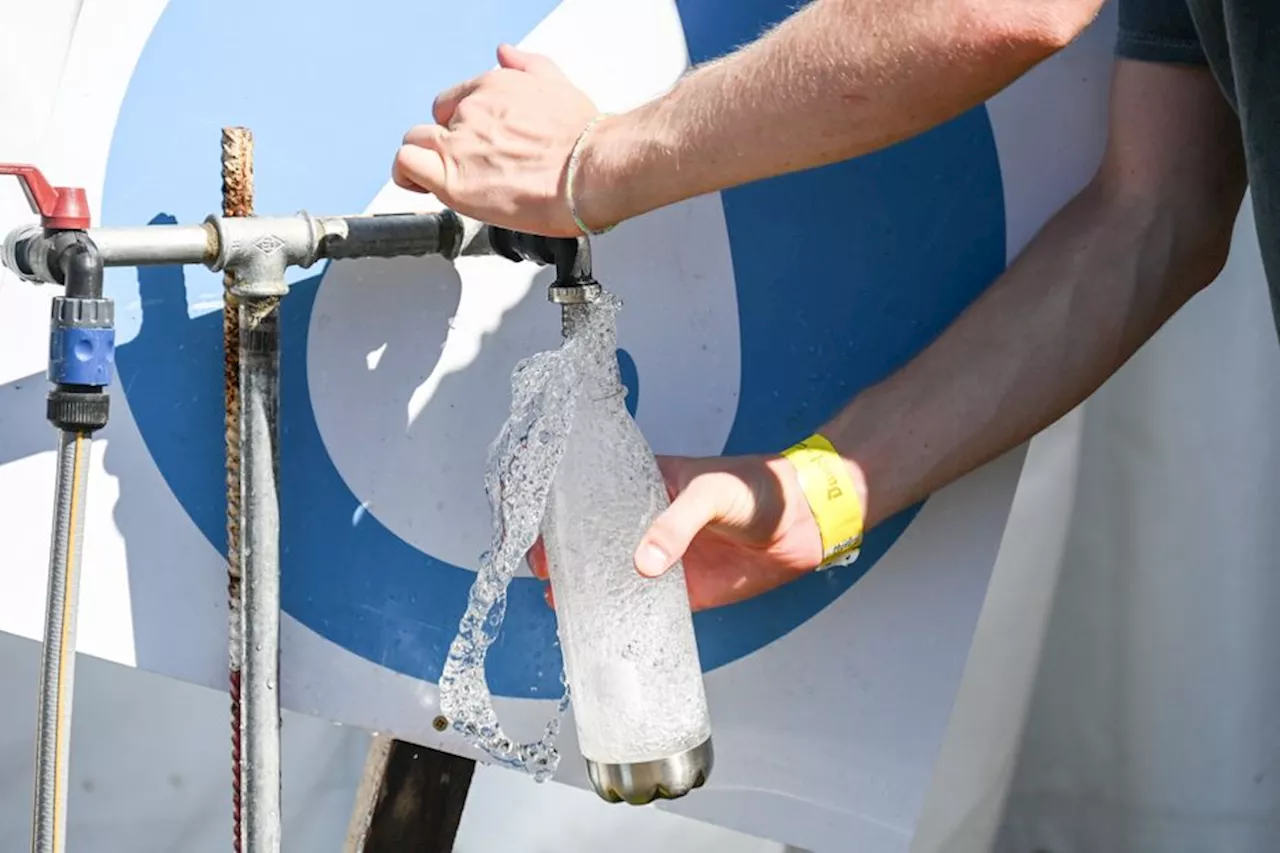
(521, 468)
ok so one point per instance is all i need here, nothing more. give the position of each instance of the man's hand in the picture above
(741, 524)
(837, 79)
(500, 145)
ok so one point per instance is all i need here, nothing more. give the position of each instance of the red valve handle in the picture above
(60, 208)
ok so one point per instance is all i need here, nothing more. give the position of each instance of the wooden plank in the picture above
(410, 799)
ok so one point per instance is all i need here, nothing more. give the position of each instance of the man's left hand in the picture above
(740, 524)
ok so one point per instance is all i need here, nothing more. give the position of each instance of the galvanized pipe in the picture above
(151, 245)
(225, 242)
(259, 560)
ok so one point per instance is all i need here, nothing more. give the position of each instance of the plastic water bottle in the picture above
(630, 654)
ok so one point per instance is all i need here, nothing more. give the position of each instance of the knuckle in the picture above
(464, 111)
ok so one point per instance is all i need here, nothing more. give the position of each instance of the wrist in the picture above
(857, 474)
(614, 180)
(859, 478)
(835, 493)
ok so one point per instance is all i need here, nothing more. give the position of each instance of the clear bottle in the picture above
(631, 658)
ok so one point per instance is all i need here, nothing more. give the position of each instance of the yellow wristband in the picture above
(827, 486)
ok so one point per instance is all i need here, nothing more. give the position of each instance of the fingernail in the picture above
(651, 560)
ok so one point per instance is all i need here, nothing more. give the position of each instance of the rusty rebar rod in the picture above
(237, 200)
(257, 286)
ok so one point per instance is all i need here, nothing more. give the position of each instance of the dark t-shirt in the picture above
(1240, 42)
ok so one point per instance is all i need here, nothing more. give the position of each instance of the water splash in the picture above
(521, 468)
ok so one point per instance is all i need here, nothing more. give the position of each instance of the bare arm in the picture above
(836, 80)
(1150, 230)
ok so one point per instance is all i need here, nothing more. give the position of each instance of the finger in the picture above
(425, 135)
(421, 134)
(417, 169)
(669, 536)
(533, 63)
(537, 559)
(401, 179)
(421, 167)
(446, 103)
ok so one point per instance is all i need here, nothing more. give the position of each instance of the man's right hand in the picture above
(741, 524)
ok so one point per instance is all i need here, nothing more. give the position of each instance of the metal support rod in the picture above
(57, 656)
(237, 200)
(251, 327)
(260, 568)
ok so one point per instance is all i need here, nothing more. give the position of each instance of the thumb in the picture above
(669, 536)
(533, 63)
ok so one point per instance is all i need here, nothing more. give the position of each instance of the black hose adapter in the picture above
(569, 255)
(81, 336)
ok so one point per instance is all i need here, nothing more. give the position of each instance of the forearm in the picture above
(1097, 282)
(838, 79)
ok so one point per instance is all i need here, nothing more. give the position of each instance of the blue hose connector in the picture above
(82, 342)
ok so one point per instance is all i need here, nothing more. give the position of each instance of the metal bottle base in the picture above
(662, 779)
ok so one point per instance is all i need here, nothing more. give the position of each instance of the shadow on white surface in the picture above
(151, 764)
(151, 773)
(511, 813)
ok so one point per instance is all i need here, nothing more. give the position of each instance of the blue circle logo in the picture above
(842, 275)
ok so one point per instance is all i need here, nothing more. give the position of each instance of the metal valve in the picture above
(60, 208)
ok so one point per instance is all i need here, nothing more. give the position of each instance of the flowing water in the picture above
(518, 477)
